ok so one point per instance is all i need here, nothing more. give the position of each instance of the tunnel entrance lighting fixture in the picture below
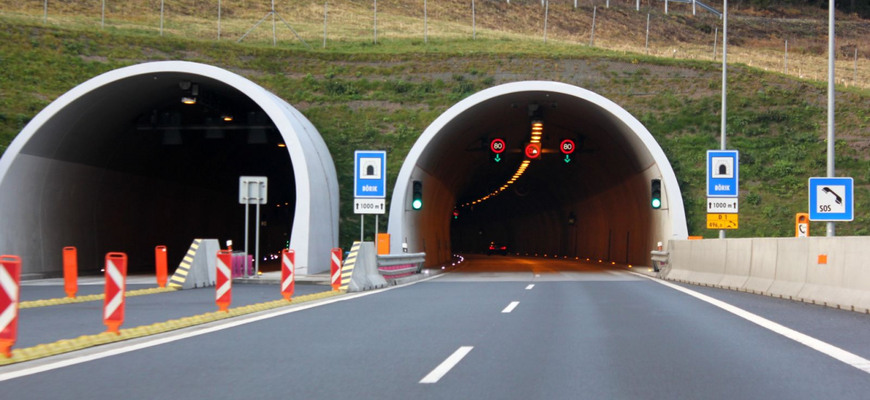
(227, 118)
(188, 100)
(537, 130)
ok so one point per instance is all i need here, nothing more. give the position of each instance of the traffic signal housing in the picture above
(656, 194)
(417, 195)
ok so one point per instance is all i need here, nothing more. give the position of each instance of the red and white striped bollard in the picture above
(336, 269)
(116, 286)
(224, 280)
(10, 279)
(288, 273)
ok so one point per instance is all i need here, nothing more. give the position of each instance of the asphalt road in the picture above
(499, 328)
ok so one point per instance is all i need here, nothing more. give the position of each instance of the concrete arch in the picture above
(625, 156)
(47, 165)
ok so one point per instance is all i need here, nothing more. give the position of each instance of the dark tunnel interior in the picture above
(156, 160)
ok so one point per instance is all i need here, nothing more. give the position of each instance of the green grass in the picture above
(361, 95)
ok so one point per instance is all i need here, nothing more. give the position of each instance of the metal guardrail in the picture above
(700, 4)
(659, 259)
(392, 266)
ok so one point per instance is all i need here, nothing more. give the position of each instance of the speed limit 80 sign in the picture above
(567, 146)
(497, 145)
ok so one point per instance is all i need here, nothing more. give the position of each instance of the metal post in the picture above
(325, 13)
(831, 166)
(636, 6)
(473, 22)
(257, 239)
(362, 224)
(592, 36)
(715, 42)
(693, 7)
(274, 36)
(425, 22)
(785, 64)
(546, 16)
(376, 233)
(724, 81)
(666, 7)
(247, 228)
(376, 21)
(161, 17)
(647, 34)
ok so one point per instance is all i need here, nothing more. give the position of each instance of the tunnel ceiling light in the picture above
(227, 118)
(189, 100)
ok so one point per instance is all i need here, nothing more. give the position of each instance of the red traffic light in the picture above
(497, 145)
(533, 150)
(567, 146)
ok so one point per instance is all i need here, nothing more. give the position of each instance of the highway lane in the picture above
(41, 325)
(575, 331)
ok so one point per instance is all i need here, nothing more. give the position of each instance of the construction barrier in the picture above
(70, 271)
(114, 300)
(160, 265)
(224, 280)
(10, 279)
(335, 270)
(288, 273)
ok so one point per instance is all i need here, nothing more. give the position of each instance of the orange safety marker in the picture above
(288, 273)
(336, 268)
(70, 271)
(160, 265)
(116, 286)
(224, 280)
(10, 279)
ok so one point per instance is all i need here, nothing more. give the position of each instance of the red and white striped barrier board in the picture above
(336, 268)
(288, 273)
(10, 278)
(224, 280)
(116, 285)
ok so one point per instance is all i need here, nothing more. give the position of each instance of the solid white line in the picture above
(825, 348)
(23, 369)
(530, 286)
(448, 364)
(510, 307)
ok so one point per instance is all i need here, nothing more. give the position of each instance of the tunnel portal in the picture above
(593, 202)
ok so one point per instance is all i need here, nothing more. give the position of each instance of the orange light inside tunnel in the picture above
(520, 170)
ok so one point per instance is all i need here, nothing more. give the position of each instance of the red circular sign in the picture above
(533, 150)
(497, 145)
(567, 146)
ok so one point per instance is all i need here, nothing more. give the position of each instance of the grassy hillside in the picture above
(361, 95)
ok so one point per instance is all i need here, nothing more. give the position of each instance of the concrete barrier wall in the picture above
(790, 268)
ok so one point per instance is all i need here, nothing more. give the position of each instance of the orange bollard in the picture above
(70, 271)
(336, 269)
(288, 273)
(160, 265)
(10, 280)
(224, 280)
(116, 286)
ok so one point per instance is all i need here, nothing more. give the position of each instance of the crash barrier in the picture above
(197, 268)
(223, 294)
(114, 301)
(10, 284)
(288, 273)
(335, 269)
(822, 270)
(160, 265)
(70, 271)
(362, 273)
(394, 266)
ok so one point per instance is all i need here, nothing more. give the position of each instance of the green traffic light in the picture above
(417, 204)
(656, 203)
